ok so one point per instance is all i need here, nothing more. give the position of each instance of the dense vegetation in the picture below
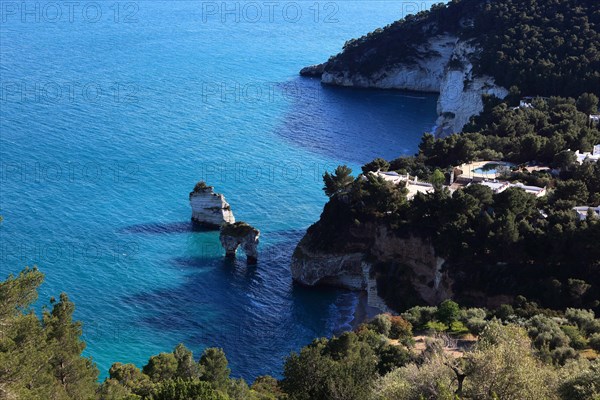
(544, 47)
(510, 243)
(521, 353)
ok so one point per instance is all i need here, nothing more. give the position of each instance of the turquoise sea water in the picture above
(110, 113)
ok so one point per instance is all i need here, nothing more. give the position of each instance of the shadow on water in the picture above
(255, 313)
(157, 228)
(355, 125)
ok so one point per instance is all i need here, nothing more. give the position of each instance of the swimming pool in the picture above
(493, 168)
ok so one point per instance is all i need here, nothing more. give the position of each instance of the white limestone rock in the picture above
(446, 68)
(240, 234)
(209, 208)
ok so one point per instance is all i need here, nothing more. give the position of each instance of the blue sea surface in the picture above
(112, 112)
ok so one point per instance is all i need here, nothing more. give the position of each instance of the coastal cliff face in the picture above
(210, 208)
(409, 262)
(444, 66)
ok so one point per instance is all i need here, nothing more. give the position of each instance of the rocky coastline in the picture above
(370, 262)
(445, 67)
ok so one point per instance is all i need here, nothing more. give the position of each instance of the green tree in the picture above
(161, 367)
(503, 367)
(187, 368)
(588, 103)
(448, 312)
(213, 366)
(342, 368)
(564, 160)
(40, 358)
(437, 178)
(378, 164)
(130, 378)
(180, 389)
(77, 375)
(337, 182)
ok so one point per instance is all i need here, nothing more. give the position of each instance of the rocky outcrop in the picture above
(209, 208)
(461, 91)
(421, 268)
(314, 71)
(342, 270)
(445, 66)
(240, 234)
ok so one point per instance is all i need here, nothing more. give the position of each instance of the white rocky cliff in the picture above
(445, 68)
(209, 208)
(421, 266)
(240, 234)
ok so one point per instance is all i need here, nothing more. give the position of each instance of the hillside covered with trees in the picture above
(507, 243)
(544, 47)
(522, 353)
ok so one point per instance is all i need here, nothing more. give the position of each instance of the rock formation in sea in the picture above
(209, 208)
(443, 64)
(240, 234)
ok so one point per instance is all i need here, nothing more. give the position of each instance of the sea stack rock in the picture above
(209, 208)
(240, 234)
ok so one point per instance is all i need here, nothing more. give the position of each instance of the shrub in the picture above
(584, 319)
(201, 186)
(561, 355)
(436, 326)
(382, 324)
(458, 327)
(594, 341)
(419, 316)
(476, 325)
(546, 333)
(577, 341)
(400, 328)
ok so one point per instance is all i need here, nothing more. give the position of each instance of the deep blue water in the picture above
(108, 120)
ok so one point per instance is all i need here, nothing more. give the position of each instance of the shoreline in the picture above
(363, 312)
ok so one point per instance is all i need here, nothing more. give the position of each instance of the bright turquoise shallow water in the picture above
(105, 128)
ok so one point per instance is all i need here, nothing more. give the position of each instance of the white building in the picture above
(594, 156)
(501, 186)
(412, 183)
(582, 212)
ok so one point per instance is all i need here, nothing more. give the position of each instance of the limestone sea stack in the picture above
(209, 209)
(240, 234)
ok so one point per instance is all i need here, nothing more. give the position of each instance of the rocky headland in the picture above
(391, 268)
(431, 57)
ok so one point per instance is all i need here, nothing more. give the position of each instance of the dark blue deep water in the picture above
(111, 112)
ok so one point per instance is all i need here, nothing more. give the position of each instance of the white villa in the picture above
(582, 212)
(414, 186)
(501, 186)
(412, 183)
(594, 156)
